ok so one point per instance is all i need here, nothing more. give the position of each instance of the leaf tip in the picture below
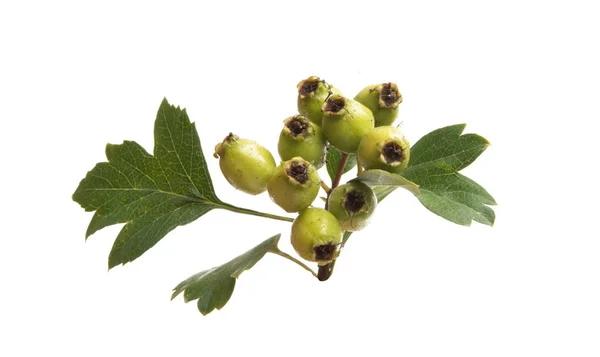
(460, 127)
(175, 294)
(113, 262)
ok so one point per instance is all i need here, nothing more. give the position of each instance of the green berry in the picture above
(245, 164)
(383, 100)
(302, 138)
(312, 92)
(345, 122)
(294, 185)
(352, 204)
(384, 148)
(316, 235)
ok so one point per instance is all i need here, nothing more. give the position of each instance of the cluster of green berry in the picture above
(360, 126)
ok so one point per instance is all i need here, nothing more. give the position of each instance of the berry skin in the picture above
(345, 122)
(384, 148)
(352, 204)
(245, 164)
(383, 100)
(312, 92)
(316, 235)
(302, 138)
(294, 185)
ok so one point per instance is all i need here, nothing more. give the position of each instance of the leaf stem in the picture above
(289, 257)
(256, 213)
(359, 168)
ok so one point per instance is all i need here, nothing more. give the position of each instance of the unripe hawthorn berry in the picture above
(302, 138)
(352, 204)
(383, 100)
(345, 122)
(245, 164)
(316, 235)
(294, 185)
(384, 148)
(312, 92)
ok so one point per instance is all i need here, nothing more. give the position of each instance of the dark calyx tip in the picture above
(355, 201)
(392, 152)
(298, 171)
(324, 252)
(389, 95)
(297, 126)
(308, 86)
(334, 105)
(229, 138)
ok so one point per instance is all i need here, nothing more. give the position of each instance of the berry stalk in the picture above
(292, 259)
(325, 187)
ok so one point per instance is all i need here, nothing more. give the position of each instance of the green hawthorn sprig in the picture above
(155, 193)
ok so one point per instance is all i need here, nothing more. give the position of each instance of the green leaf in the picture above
(333, 161)
(382, 192)
(213, 288)
(445, 150)
(434, 164)
(152, 194)
(458, 199)
(384, 178)
(432, 176)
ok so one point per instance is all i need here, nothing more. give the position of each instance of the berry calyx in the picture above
(312, 92)
(316, 235)
(302, 138)
(352, 204)
(384, 148)
(294, 185)
(383, 100)
(245, 164)
(345, 122)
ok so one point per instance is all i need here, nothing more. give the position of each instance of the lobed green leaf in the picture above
(458, 199)
(213, 288)
(445, 150)
(432, 175)
(434, 164)
(151, 194)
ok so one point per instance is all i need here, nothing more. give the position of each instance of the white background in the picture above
(524, 74)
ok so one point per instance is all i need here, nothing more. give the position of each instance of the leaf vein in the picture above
(179, 158)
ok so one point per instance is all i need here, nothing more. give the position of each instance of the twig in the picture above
(338, 176)
(326, 270)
